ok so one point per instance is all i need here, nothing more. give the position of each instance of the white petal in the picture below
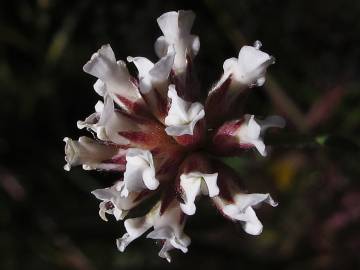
(121, 205)
(250, 67)
(107, 123)
(211, 184)
(102, 214)
(161, 70)
(252, 224)
(86, 151)
(164, 252)
(149, 178)
(150, 74)
(101, 63)
(260, 146)
(114, 74)
(100, 87)
(242, 210)
(170, 218)
(249, 134)
(137, 226)
(191, 187)
(194, 183)
(140, 171)
(253, 128)
(195, 45)
(161, 46)
(186, 21)
(166, 233)
(176, 27)
(124, 241)
(142, 64)
(182, 116)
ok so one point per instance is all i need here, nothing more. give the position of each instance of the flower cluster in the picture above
(164, 137)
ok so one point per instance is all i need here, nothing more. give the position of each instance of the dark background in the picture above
(48, 218)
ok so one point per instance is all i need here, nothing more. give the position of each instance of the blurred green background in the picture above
(49, 219)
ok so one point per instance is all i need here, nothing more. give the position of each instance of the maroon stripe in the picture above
(137, 137)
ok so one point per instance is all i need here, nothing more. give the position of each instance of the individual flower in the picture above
(236, 204)
(139, 173)
(115, 79)
(244, 133)
(250, 67)
(113, 203)
(93, 154)
(240, 75)
(154, 82)
(167, 222)
(164, 140)
(182, 115)
(176, 27)
(195, 178)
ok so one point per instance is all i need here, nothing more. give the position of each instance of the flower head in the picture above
(161, 137)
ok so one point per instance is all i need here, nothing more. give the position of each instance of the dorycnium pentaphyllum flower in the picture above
(165, 139)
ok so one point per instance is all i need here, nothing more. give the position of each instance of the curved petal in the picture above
(242, 210)
(140, 171)
(89, 153)
(182, 116)
(114, 75)
(194, 183)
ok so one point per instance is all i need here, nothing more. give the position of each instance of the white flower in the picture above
(241, 210)
(153, 75)
(107, 123)
(195, 183)
(168, 226)
(113, 203)
(158, 134)
(176, 27)
(91, 154)
(113, 74)
(249, 133)
(250, 67)
(139, 173)
(182, 116)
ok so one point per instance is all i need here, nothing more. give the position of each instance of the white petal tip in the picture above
(122, 242)
(253, 229)
(103, 217)
(124, 192)
(257, 44)
(188, 209)
(130, 59)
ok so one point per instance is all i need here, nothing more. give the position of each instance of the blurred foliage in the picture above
(48, 219)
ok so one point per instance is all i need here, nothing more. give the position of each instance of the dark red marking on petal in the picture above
(169, 196)
(215, 106)
(196, 139)
(136, 137)
(162, 104)
(225, 142)
(142, 195)
(119, 159)
(229, 128)
(135, 81)
(137, 107)
(227, 180)
(218, 95)
(170, 165)
(109, 205)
